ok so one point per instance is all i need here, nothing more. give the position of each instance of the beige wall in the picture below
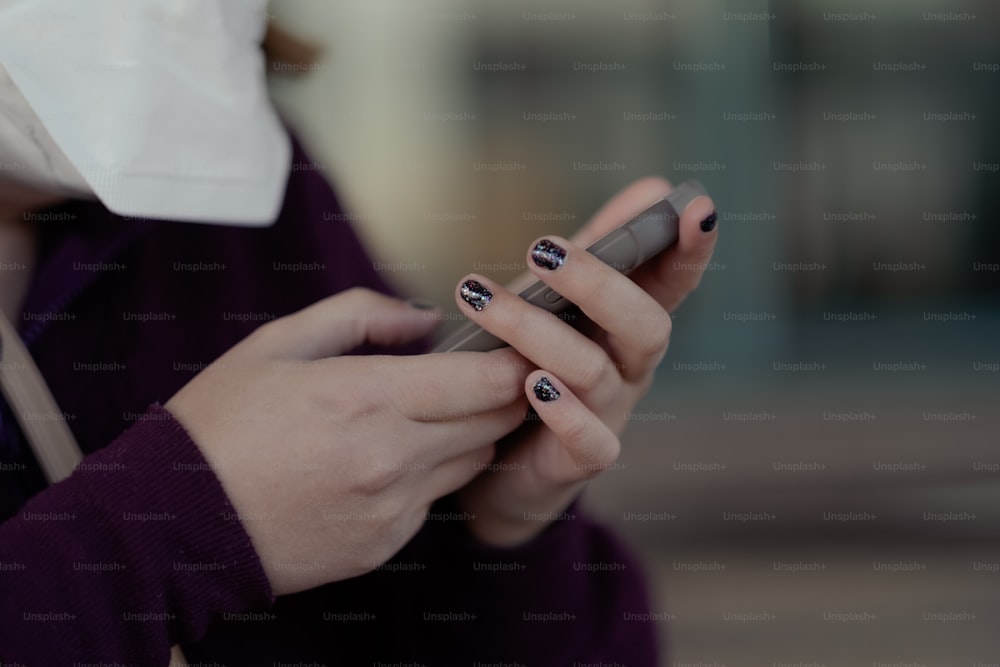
(361, 113)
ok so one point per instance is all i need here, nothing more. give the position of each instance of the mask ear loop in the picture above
(26, 392)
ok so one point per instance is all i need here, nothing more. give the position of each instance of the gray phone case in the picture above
(624, 249)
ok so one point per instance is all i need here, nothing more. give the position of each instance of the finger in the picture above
(637, 327)
(459, 434)
(586, 445)
(454, 473)
(436, 387)
(538, 335)
(445, 435)
(670, 277)
(629, 202)
(480, 427)
(342, 322)
(621, 208)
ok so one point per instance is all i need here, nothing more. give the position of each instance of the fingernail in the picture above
(545, 391)
(548, 255)
(475, 294)
(420, 304)
(708, 224)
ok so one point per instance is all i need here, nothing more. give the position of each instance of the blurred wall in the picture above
(836, 377)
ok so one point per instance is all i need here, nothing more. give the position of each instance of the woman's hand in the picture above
(586, 384)
(332, 462)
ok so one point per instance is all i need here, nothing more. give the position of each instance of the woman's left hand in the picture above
(586, 385)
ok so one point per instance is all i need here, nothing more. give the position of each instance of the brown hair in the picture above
(285, 48)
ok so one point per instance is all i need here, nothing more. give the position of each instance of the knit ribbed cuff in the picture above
(159, 499)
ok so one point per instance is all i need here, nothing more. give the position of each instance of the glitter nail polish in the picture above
(708, 224)
(545, 391)
(548, 255)
(475, 294)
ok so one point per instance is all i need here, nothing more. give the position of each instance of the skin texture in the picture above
(389, 435)
(332, 461)
(600, 378)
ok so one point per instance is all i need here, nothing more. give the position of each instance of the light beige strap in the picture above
(42, 422)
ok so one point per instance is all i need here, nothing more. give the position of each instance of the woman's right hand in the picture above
(332, 461)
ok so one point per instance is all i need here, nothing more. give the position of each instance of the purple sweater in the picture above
(140, 548)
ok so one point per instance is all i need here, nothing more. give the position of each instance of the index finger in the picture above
(618, 210)
(450, 385)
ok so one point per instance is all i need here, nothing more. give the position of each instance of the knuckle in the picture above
(502, 375)
(365, 484)
(402, 400)
(343, 409)
(373, 479)
(353, 301)
(591, 375)
(497, 378)
(355, 294)
(376, 476)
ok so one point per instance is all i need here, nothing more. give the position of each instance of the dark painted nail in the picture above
(420, 304)
(545, 391)
(548, 255)
(475, 294)
(708, 224)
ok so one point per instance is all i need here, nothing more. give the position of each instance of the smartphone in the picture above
(624, 249)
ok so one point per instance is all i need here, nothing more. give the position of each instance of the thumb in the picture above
(339, 323)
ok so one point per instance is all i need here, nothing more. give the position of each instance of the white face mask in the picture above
(157, 107)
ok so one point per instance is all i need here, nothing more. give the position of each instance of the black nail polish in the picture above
(708, 224)
(545, 391)
(475, 294)
(548, 255)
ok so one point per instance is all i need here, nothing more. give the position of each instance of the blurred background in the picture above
(815, 478)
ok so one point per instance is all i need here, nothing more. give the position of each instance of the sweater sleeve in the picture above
(573, 595)
(137, 550)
